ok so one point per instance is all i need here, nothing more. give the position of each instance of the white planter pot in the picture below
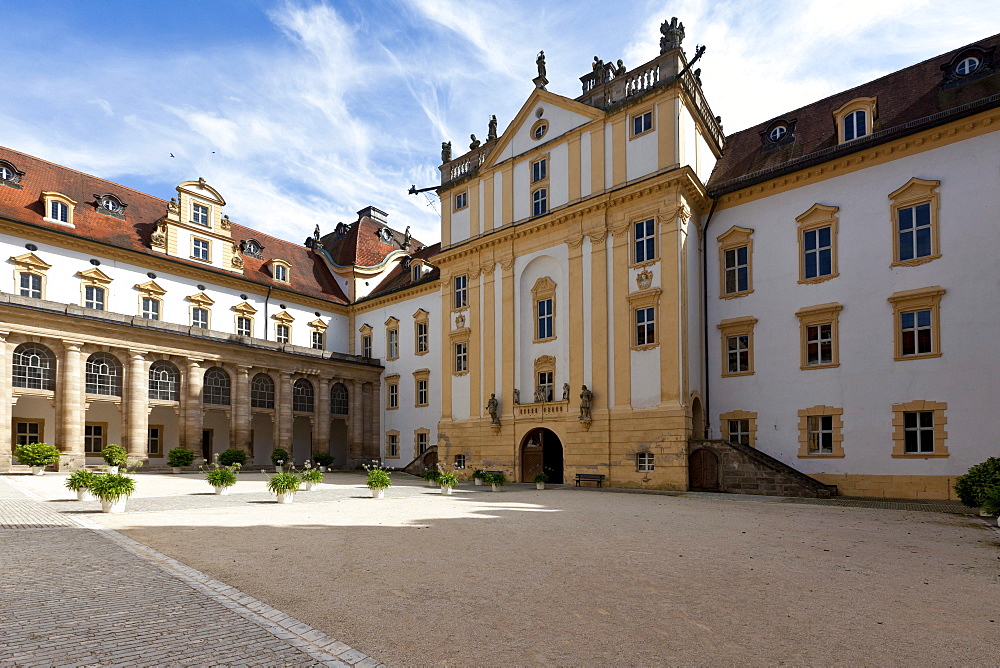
(277, 469)
(116, 507)
(176, 469)
(378, 493)
(310, 486)
(112, 469)
(84, 495)
(445, 489)
(539, 485)
(478, 482)
(286, 498)
(496, 488)
(37, 470)
(322, 469)
(432, 483)
(222, 491)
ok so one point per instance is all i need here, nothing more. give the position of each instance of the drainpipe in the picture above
(268, 297)
(706, 400)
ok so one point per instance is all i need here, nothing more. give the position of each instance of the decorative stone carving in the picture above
(565, 396)
(445, 152)
(644, 279)
(586, 400)
(517, 396)
(540, 394)
(540, 81)
(620, 69)
(460, 321)
(475, 143)
(173, 207)
(492, 134)
(159, 237)
(225, 223)
(237, 262)
(493, 408)
(672, 35)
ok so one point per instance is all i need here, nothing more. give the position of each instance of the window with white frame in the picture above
(817, 252)
(34, 367)
(422, 345)
(392, 344)
(392, 398)
(104, 375)
(461, 291)
(392, 445)
(539, 170)
(544, 328)
(546, 385)
(461, 201)
(318, 342)
(281, 273)
(338, 399)
(422, 442)
(819, 344)
(164, 381)
(217, 387)
(855, 125)
(461, 357)
(93, 297)
(738, 353)
(644, 461)
(303, 396)
(539, 202)
(737, 270)
(244, 326)
(199, 317)
(31, 285)
(366, 346)
(282, 333)
(262, 391)
(199, 214)
(422, 394)
(150, 308)
(59, 211)
(739, 431)
(459, 462)
(917, 334)
(915, 231)
(645, 240)
(645, 326)
(642, 123)
(918, 432)
(199, 249)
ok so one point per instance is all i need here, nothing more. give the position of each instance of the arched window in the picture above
(104, 375)
(217, 387)
(164, 381)
(34, 367)
(262, 391)
(338, 399)
(302, 396)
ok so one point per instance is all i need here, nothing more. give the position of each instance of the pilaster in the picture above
(6, 401)
(507, 320)
(448, 354)
(488, 336)
(599, 315)
(137, 411)
(192, 408)
(475, 353)
(356, 419)
(70, 393)
(622, 325)
(283, 414)
(241, 417)
(576, 348)
(321, 418)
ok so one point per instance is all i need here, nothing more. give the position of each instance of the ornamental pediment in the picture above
(150, 288)
(283, 317)
(30, 261)
(201, 299)
(95, 275)
(244, 308)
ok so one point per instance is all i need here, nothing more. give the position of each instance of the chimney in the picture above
(378, 215)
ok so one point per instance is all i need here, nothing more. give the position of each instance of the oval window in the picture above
(967, 66)
(777, 133)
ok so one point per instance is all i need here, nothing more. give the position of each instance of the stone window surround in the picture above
(867, 104)
(838, 429)
(920, 299)
(751, 418)
(737, 327)
(913, 193)
(544, 288)
(391, 388)
(421, 317)
(817, 217)
(416, 440)
(421, 375)
(899, 433)
(647, 298)
(391, 325)
(389, 436)
(29, 263)
(735, 237)
(637, 113)
(48, 197)
(820, 314)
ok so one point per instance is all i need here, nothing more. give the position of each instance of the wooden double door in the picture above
(703, 470)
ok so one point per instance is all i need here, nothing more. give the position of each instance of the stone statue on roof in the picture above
(492, 134)
(540, 62)
(475, 143)
(316, 233)
(445, 152)
(620, 69)
(406, 239)
(673, 35)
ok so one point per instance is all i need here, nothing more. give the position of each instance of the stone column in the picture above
(283, 413)
(193, 410)
(70, 391)
(321, 418)
(137, 411)
(355, 417)
(240, 404)
(6, 401)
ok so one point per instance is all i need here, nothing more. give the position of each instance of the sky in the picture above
(303, 112)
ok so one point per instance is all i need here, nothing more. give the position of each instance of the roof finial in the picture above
(673, 35)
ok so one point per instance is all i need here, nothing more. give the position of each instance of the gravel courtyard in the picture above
(580, 577)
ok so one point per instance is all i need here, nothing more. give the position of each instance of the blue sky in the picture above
(304, 112)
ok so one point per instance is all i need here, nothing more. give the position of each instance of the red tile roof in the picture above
(363, 245)
(309, 275)
(400, 278)
(905, 100)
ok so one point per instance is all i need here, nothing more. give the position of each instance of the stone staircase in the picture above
(746, 470)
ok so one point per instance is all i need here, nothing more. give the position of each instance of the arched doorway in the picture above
(703, 470)
(697, 418)
(541, 452)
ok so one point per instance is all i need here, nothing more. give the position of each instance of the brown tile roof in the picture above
(907, 101)
(400, 278)
(362, 244)
(309, 275)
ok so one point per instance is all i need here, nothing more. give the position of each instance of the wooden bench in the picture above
(590, 477)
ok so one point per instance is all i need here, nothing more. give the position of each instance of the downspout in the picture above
(706, 400)
(267, 298)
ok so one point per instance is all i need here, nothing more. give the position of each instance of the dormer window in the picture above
(855, 119)
(9, 175)
(855, 125)
(110, 205)
(280, 270)
(417, 274)
(58, 208)
(58, 211)
(777, 133)
(252, 248)
(199, 214)
(967, 66)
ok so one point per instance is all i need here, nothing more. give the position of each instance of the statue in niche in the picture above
(540, 62)
(493, 408)
(475, 143)
(620, 69)
(565, 392)
(586, 400)
(517, 396)
(673, 35)
(492, 134)
(445, 152)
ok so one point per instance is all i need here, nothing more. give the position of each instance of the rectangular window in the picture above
(422, 392)
(820, 434)
(93, 297)
(199, 317)
(421, 442)
(545, 386)
(59, 211)
(914, 232)
(539, 170)
(366, 346)
(459, 462)
(244, 326)
(461, 201)
(738, 353)
(392, 446)
(392, 344)
(918, 432)
(461, 291)
(739, 431)
(539, 202)
(645, 241)
(421, 337)
(819, 344)
(150, 308)
(317, 341)
(200, 214)
(642, 123)
(818, 249)
(280, 273)
(737, 270)
(916, 332)
(855, 125)
(199, 249)
(544, 311)
(27, 432)
(645, 326)
(31, 285)
(644, 461)
(154, 442)
(93, 438)
(282, 333)
(461, 357)
(393, 392)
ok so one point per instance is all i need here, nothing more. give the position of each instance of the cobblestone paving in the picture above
(76, 594)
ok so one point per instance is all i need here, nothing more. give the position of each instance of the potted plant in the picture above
(37, 456)
(323, 460)
(233, 456)
(431, 476)
(113, 489)
(284, 486)
(80, 481)
(178, 458)
(448, 481)
(221, 476)
(991, 502)
(496, 479)
(115, 457)
(478, 475)
(972, 487)
(278, 458)
(540, 481)
(312, 479)
(378, 480)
